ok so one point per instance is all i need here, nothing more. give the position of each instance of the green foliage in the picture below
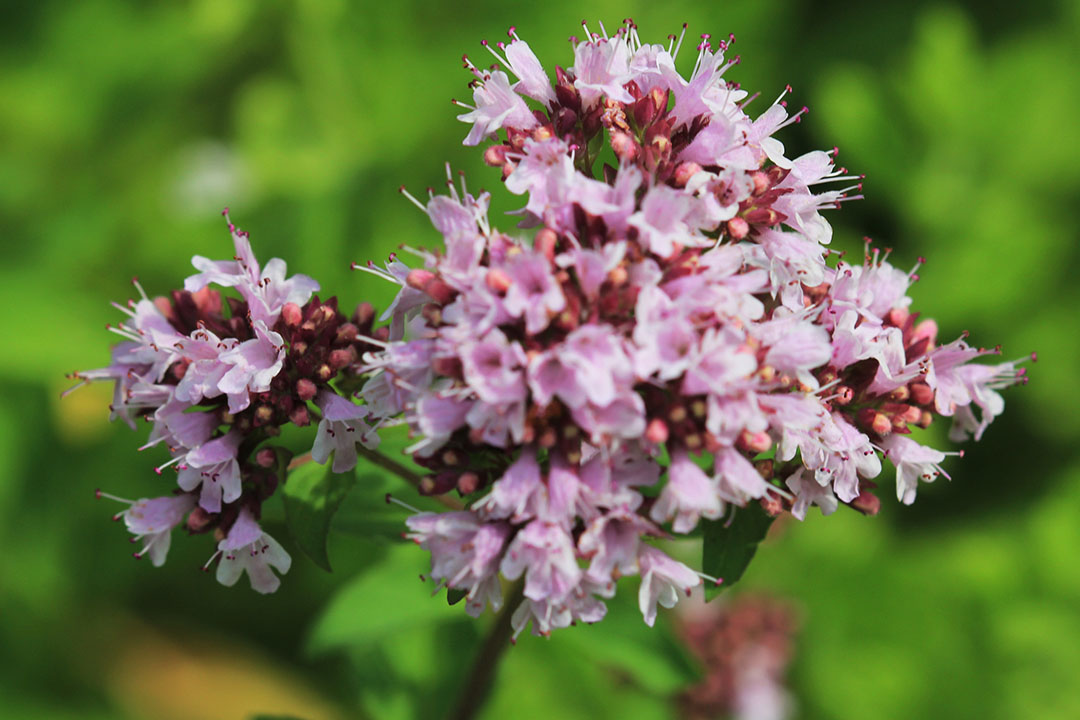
(312, 494)
(126, 129)
(729, 547)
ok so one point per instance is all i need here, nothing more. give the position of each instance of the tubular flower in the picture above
(669, 342)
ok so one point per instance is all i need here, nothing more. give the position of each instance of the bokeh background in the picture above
(124, 129)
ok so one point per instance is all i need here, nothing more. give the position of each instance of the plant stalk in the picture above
(478, 685)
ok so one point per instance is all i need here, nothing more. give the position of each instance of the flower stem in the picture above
(404, 473)
(477, 686)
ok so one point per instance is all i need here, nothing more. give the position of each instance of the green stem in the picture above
(477, 686)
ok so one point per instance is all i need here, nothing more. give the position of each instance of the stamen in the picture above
(678, 44)
(390, 499)
(412, 199)
(710, 578)
(100, 494)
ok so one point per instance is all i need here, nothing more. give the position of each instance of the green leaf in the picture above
(381, 603)
(312, 495)
(728, 549)
(649, 658)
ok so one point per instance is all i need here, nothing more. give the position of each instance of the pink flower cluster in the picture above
(671, 344)
(216, 376)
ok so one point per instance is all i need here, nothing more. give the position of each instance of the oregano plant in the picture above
(665, 346)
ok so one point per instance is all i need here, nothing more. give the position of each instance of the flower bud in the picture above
(877, 422)
(656, 431)
(305, 389)
(347, 333)
(926, 330)
(545, 243)
(292, 314)
(439, 291)
(922, 394)
(738, 228)
(266, 458)
(684, 172)
(300, 417)
(418, 278)
(364, 315)
(495, 155)
(867, 503)
(772, 505)
(497, 280)
(761, 182)
(625, 146)
(263, 414)
(755, 442)
(198, 520)
(468, 482)
(342, 357)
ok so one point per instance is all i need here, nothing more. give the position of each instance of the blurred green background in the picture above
(124, 129)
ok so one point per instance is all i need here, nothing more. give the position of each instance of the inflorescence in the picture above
(675, 341)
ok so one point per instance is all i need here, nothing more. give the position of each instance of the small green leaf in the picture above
(454, 596)
(728, 550)
(312, 495)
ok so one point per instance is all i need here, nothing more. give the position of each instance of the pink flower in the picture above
(809, 491)
(532, 80)
(601, 68)
(254, 364)
(544, 552)
(662, 581)
(913, 462)
(688, 495)
(533, 293)
(493, 368)
(213, 465)
(246, 548)
(341, 429)
(513, 495)
(611, 542)
(465, 554)
(153, 521)
(266, 290)
(661, 221)
(497, 106)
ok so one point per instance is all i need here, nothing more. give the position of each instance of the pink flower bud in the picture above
(418, 278)
(545, 243)
(684, 172)
(624, 145)
(495, 155)
(342, 357)
(439, 291)
(497, 280)
(867, 503)
(738, 228)
(292, 314)
(656, 431)
(300, 416)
